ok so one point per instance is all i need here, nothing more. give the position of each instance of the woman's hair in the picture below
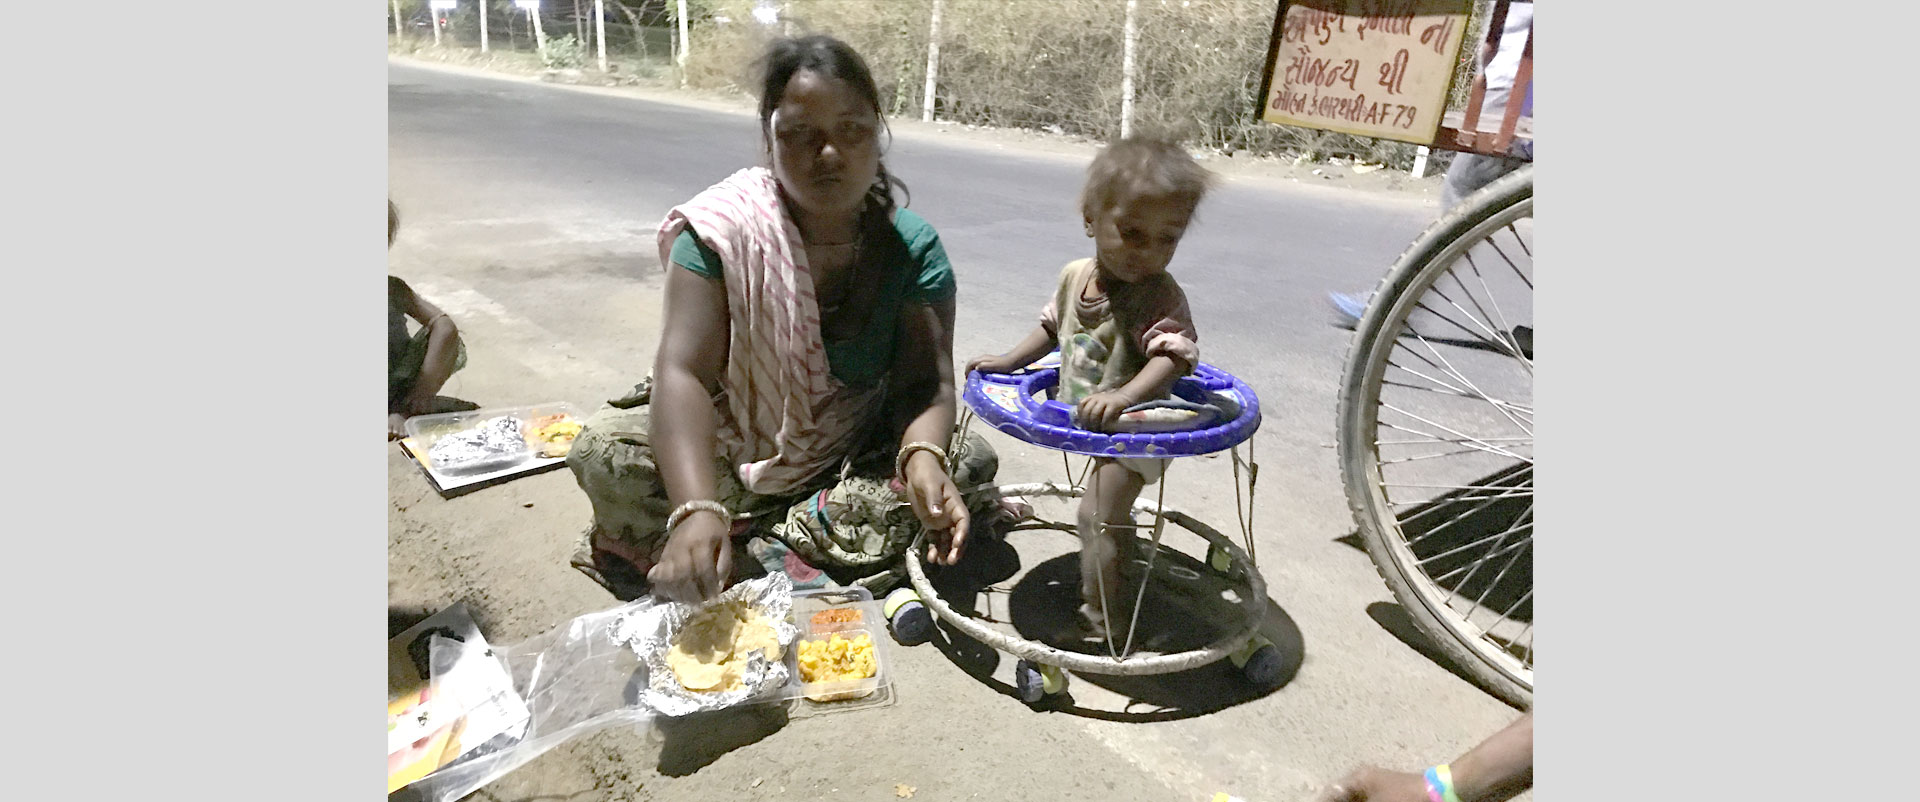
(829, 58)
(1143, 166)
(393, 222)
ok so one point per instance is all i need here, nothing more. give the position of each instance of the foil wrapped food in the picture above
(494, 441)
(762, 680)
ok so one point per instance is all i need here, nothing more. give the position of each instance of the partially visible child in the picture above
(1124, 333)
(418, 364)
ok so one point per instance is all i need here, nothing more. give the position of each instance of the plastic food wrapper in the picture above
(576, 679)
(772, 595)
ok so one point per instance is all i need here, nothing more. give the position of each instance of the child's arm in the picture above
(1099, 411)
(442, 350)
(1171, 347)
(1036, 345)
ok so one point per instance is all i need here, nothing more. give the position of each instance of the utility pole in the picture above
(484, 11)
(434, 9)
(680, 16)
(1126, 74)
(933, 62)
(532, 8)
(399, 32)
(600, 30)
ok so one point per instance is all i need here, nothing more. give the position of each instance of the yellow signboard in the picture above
(1378, 68)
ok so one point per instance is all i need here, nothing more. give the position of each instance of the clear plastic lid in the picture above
(851, 614)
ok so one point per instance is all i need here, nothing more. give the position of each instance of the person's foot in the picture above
(1098, 627)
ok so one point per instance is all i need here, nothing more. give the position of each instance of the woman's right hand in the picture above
(697, 561)
(996, 363)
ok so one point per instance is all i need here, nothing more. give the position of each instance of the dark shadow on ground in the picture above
(691, 743)
(399, 619)
(1184, 610)
(1452, 534)
(1394, 619)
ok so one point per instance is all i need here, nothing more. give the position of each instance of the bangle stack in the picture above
(702, 505)
(1440, 784)
(908, 450)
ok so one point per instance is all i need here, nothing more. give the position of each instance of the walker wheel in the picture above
(1259, 661)
(910, 621)
(1219, 559)
(1034, 682)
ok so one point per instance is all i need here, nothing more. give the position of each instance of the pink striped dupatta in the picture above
(785, 418)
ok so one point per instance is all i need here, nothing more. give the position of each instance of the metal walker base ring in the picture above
(1253, 603)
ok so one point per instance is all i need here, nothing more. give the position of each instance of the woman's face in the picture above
(826, 150)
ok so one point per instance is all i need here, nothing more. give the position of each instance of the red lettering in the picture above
(1394, 74)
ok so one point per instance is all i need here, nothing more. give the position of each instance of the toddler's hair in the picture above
(393, 222)
(1145, 166)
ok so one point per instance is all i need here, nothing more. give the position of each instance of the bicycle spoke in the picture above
(1508, 613)
(1503, 569)
(1452, 390)
(1442, 579)
(1507, 405)
(1498, 344)
(1455, 372)
(1440, 455)
(1455, 519)
(1444, 440)
(1467, 437)
(1461, 440)
(1436, 487)
(1485, 327)
(1518, 492)
(1502, 536)
(1503, 332)
(1503, 254)
(1505, 325)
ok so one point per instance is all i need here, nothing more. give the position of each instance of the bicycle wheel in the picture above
(1436, 434)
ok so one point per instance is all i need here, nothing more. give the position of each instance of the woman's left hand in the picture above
(937, 503)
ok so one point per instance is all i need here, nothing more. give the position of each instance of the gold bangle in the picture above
(700, 505)
(907, 451)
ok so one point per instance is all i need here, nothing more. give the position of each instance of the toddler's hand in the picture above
(991, 364)
(1098, 412)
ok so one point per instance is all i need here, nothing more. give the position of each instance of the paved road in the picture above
(528, 212)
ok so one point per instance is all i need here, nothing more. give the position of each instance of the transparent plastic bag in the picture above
(576, 679)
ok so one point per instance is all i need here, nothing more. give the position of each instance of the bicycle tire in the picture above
(1431, 256)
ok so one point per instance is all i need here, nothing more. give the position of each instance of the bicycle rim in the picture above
(1437, 434)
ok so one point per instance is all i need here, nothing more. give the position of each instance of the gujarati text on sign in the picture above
(1379, 68)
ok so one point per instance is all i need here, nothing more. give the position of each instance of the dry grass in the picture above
(1055, 65)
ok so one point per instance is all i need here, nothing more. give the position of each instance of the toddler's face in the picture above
(1135, 237)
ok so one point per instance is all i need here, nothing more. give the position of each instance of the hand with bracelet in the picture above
(923, 469)
(698, 558)
(1496, 770)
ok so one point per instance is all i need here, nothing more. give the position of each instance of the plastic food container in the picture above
(428, 431)
(842, 690)
(849, 613)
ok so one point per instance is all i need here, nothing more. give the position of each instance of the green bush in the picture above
(564, 53)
